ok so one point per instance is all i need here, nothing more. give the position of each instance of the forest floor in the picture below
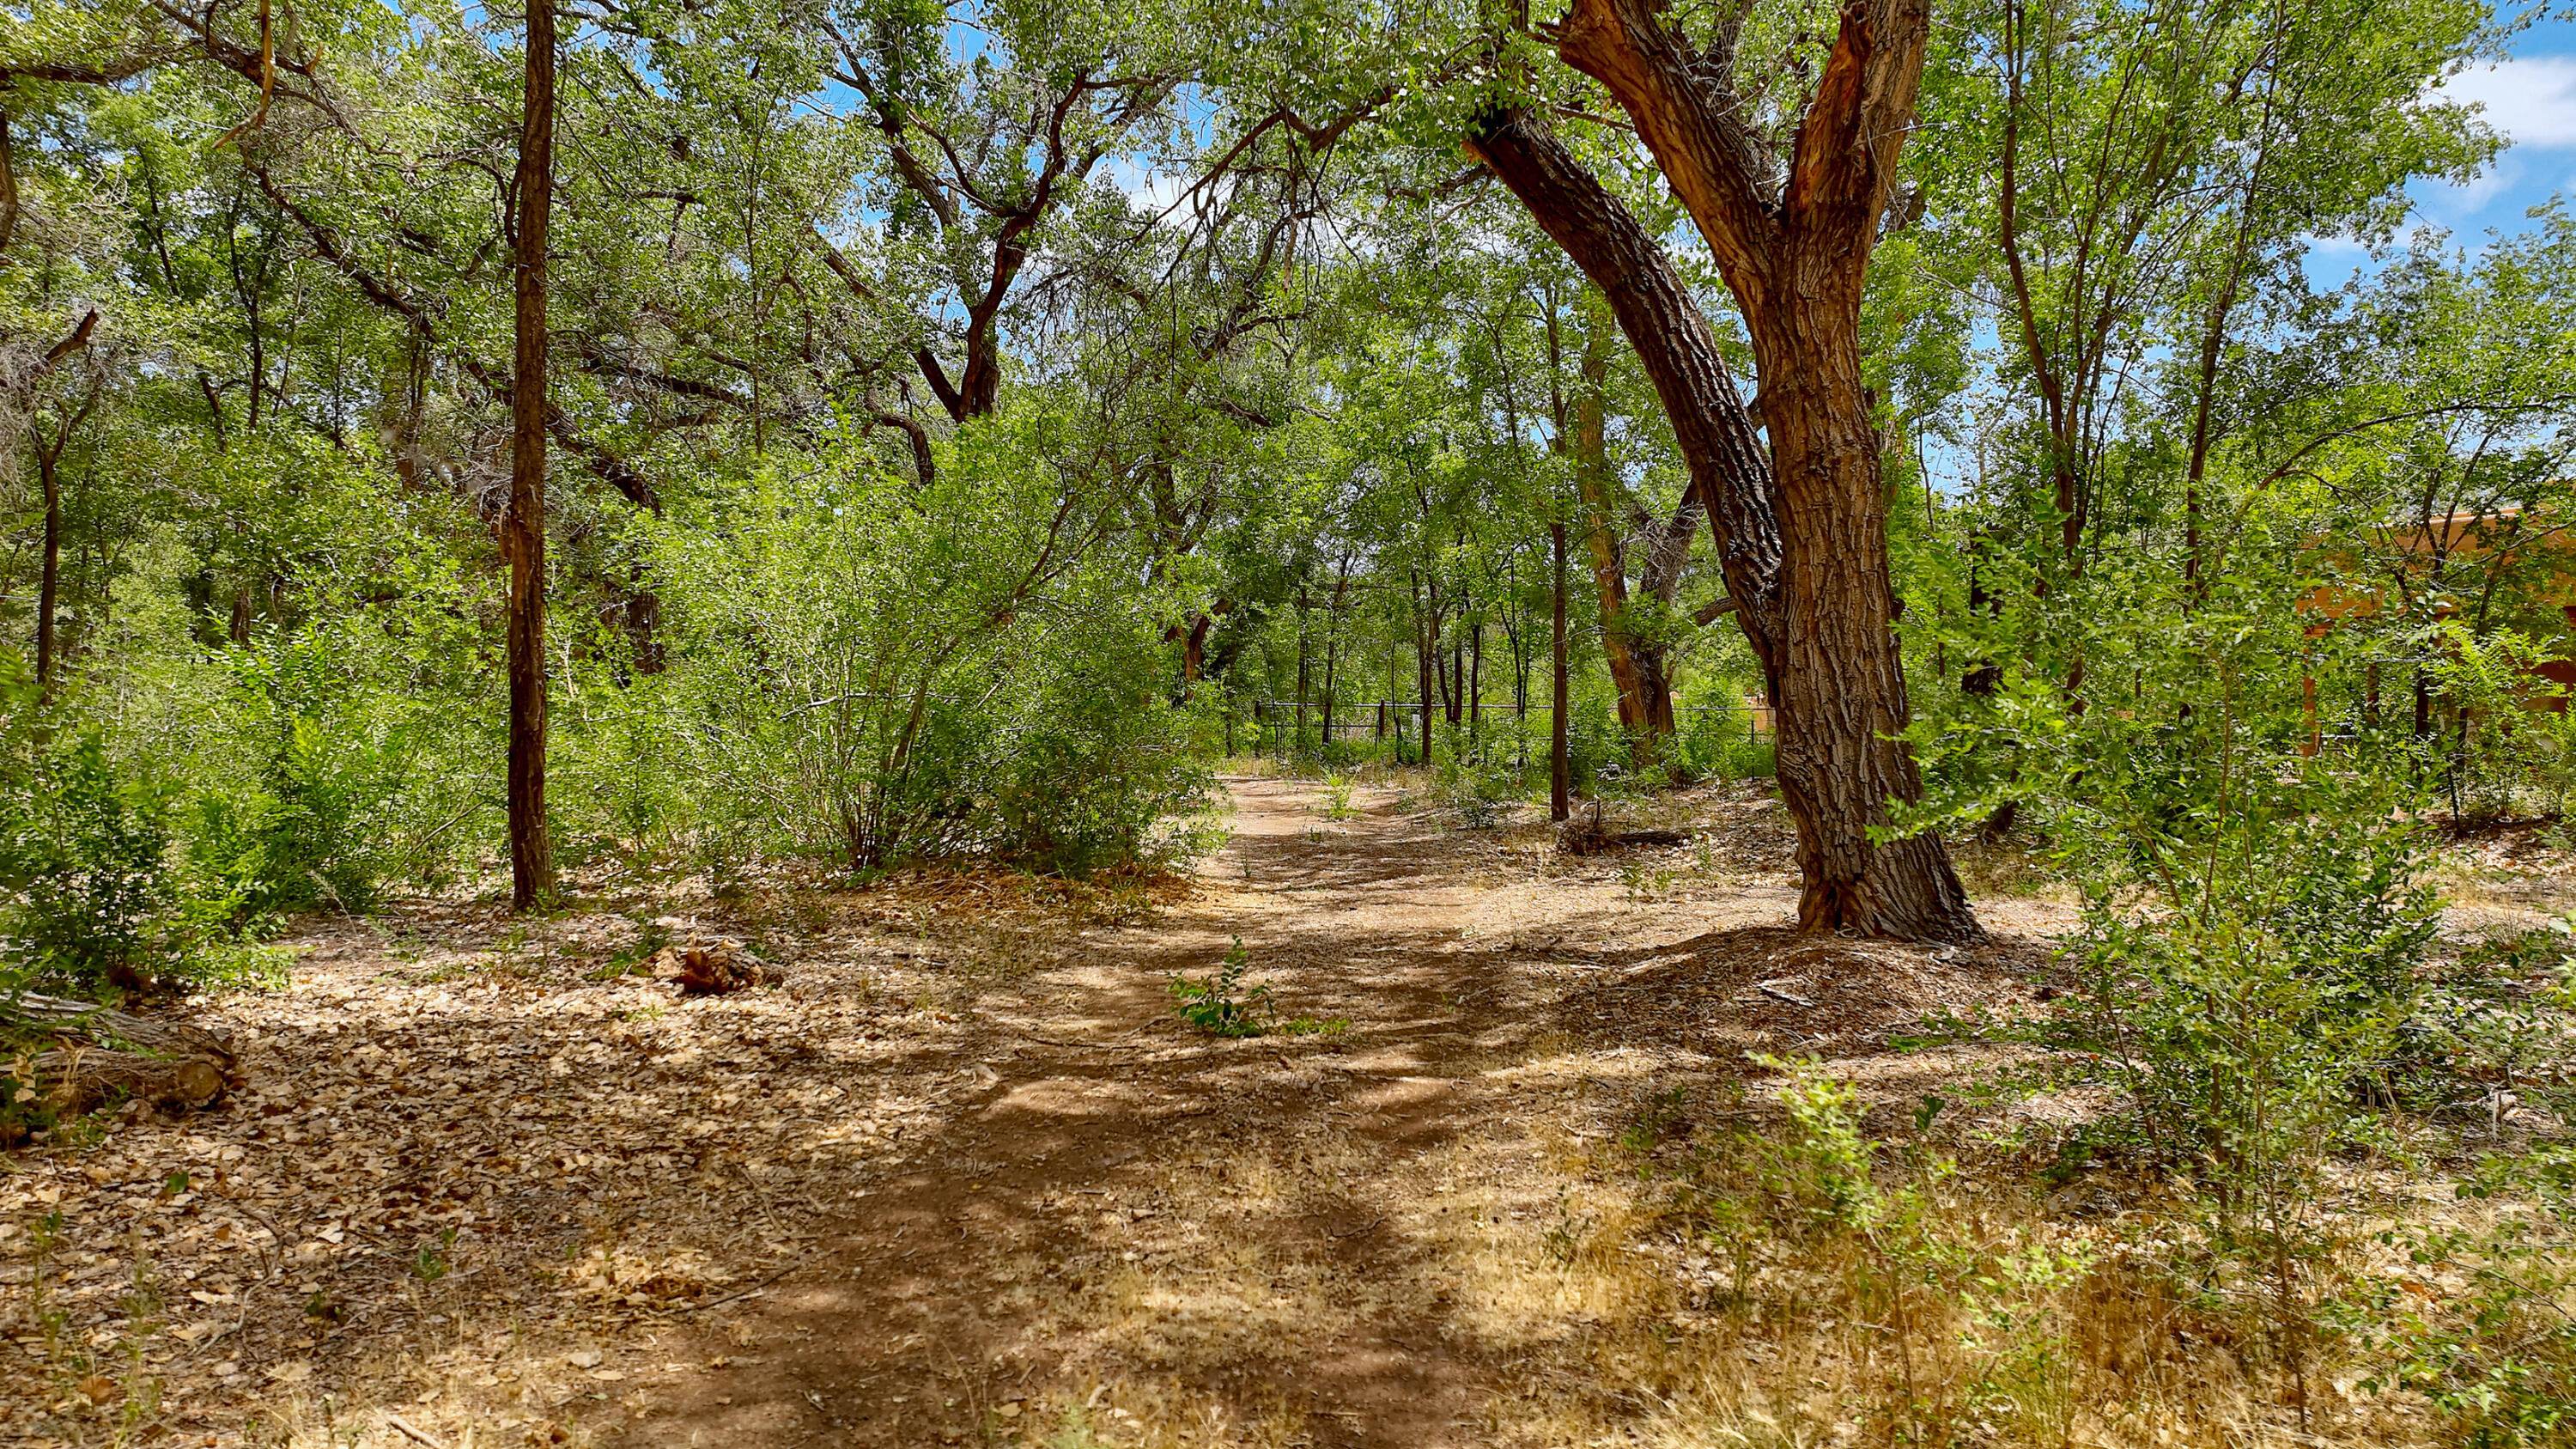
(964, 1177)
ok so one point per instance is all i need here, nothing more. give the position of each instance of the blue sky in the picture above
(2531, 98)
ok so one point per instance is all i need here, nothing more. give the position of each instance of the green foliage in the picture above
(2501, 1017)
(1337, 797)
(1482, 792)
(311, 831)
(2497, 1355)
(2248, 1029)
(86, 857)
(1221, 1005)
(874, 671)
(2508, 742)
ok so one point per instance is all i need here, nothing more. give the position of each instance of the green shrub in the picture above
(870, 671)
(2252, 1019)
(1481, 792)
(303, 810)
(86, 858)
(311, 832)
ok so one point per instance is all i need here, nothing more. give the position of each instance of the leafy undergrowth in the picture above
(1757, 1269)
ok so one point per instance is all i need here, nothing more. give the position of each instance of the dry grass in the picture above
(973, 1184)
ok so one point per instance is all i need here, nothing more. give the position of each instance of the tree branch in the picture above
(1694, 131)
(603, 463)
(1730, 470)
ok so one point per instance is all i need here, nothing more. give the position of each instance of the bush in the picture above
(303, 806)
(2498, 756)
(93, 900)
(2251, 1020)
(1482, 794)
(875, 671)
(86, 857)
(310, 833)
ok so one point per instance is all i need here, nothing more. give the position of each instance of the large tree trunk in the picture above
(1801, 535)
(523, 529)
(1842, 698)
(1729, 469)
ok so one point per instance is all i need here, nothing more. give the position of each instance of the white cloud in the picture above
(1155, 192)
(2532, 100)
(2452, 205)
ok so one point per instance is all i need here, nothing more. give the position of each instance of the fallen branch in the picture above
(1582, 836)
(409, 1431)
(106, 1026)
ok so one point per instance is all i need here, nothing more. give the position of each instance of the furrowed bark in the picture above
(523, 528)
(1795, 262)
(1728, 468)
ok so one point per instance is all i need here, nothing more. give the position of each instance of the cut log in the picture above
(81, 1079)
(106, 1055)
(1588, 837)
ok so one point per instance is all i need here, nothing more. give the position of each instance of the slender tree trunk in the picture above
(532, 872)
(1303, 655)
(1430, 700)
(49, 476)
(1560, 796)
(1332, 647)
(8, 191)
(49, 459)
(1601, 529)
(1476, 684)
(1426, 654)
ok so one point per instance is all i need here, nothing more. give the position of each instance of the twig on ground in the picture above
(747, 1292)
(411, 1431)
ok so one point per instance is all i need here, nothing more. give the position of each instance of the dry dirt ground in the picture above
(964, 1177)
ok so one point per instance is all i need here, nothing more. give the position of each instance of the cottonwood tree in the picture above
(1802, 533)
(2147, 181)
(1638, 657)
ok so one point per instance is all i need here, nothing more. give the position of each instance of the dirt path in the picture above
(965, 1178)
(1180, 1232)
